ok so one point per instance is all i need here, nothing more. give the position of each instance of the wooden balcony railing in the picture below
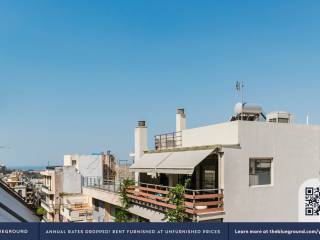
(197, 202)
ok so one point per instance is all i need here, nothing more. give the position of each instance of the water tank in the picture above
(247, 109)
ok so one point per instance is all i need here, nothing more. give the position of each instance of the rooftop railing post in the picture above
(194, 206)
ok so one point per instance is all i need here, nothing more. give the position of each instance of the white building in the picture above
(57, 181)
(76, 208)
(77, 171)
(247, 169)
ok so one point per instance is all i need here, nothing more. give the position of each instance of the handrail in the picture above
(187, 189)
(200, 201)
(168, 140)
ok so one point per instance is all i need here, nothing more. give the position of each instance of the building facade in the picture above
(247, 169)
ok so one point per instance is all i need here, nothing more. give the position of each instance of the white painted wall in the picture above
(295, 153)
(224, 133)
(88, 165)
(71, 180)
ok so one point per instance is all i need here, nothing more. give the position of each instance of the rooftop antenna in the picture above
(239, 88)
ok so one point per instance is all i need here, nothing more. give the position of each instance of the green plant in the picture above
(176, 197)
(41, 211)
(122, 214)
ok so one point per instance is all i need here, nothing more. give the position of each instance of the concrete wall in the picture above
(91, 165)
(88, 165)
(296, 158)
(224, 133)
(71, 180)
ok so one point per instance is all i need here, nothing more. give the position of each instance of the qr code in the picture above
(312, 201)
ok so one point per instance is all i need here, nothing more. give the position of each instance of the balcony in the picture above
(197, 202)
(168, 141)
(78, 214)
(97, 182)
(48, 206)
(46, 190)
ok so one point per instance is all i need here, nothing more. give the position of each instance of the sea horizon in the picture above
(25, 168)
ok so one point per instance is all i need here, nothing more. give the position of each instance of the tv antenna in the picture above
(239, 88)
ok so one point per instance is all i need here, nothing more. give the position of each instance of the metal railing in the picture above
(168, 140)
(99, 183)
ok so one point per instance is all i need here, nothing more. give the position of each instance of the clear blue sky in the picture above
(76, 75)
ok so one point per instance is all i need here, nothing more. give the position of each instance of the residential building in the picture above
(51, 188)
(247, 169)
(58, 180)
(70, 178)
(15, 181)
(76, 208)
(98, 165)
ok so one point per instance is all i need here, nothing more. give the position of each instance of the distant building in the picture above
(100, 166)
(3, 169)
(15, 181)
(70, 178)
(58, 180)
(76, 208)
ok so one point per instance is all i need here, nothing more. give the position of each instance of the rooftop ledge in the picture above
(194, 148)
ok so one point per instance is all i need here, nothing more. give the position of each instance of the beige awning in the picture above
(148, 162)
(179, 162)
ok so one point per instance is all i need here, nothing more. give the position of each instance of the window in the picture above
(74, 162)
(259, 172)
(208, 178)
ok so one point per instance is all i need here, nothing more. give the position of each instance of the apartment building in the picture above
(76, 208)
(15, 181)
(51, 188)
(69, 179)
(97, 166)
(247, 169)
(58, 180)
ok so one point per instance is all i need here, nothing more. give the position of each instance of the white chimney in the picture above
(180, 120)
(140, 140)
(140, 144)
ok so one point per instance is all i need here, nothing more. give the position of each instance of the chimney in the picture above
(140, 140)
(180, 120)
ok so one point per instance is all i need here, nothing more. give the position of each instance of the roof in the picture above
(13, 206)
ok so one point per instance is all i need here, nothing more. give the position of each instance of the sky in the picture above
(76, 76)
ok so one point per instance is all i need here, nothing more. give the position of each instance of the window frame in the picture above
(271, 159)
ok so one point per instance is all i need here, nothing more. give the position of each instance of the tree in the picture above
(41, 211)
(122, 214)
(176, 197)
